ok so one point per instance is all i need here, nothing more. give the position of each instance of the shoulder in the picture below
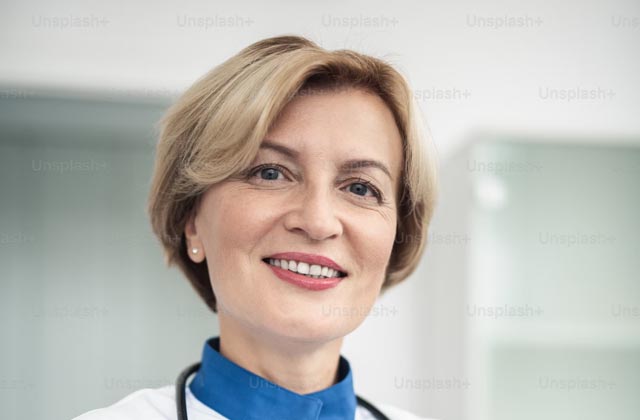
(158, 403)
(391, 411)
(152, 404)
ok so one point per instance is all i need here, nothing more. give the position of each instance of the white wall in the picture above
(146, 45)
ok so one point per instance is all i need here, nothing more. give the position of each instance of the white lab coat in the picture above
(160, 404)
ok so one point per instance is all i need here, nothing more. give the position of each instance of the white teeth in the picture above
(314, 270)
(303, 268)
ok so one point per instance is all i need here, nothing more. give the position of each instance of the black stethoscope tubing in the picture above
(181, 404)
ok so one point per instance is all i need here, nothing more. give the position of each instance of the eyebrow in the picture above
(348, 165)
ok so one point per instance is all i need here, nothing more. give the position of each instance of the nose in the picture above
(313, 213)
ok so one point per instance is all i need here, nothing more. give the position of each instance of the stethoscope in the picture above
(181, 404)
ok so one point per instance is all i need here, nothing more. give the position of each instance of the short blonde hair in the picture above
(215, 128)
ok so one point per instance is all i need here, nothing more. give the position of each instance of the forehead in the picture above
(340, 125)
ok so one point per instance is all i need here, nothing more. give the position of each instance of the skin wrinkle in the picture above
(286, 334)
(383, 183)
(349, 165)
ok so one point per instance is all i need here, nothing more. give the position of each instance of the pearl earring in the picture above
(194, 250)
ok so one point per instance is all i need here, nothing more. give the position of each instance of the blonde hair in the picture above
(215, 128)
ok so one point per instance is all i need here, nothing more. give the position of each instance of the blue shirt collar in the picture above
(237, 393)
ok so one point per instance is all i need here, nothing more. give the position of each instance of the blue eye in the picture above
(266, 172)
(269, 172)
(364, 187)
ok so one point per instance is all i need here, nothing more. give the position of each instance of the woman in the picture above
(291, 185)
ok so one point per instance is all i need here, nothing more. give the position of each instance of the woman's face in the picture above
(307, 202)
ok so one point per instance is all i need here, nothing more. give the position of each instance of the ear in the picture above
(195, 247)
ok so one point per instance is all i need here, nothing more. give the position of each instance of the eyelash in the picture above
(257, 169)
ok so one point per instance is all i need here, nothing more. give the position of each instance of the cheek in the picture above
(233, 222)
(374, 247)
(234, 228)
(377, 242)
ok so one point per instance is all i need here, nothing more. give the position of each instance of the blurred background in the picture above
(527, 302)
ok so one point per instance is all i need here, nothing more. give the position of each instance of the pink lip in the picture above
(308, 258)
(304, 281)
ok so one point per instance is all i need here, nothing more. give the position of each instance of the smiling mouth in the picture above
(340, 273)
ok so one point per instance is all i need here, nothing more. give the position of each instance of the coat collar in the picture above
(237, 393)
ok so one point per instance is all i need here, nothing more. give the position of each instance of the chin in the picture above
(312, 329)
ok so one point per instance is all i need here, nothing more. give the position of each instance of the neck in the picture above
(299, 366)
